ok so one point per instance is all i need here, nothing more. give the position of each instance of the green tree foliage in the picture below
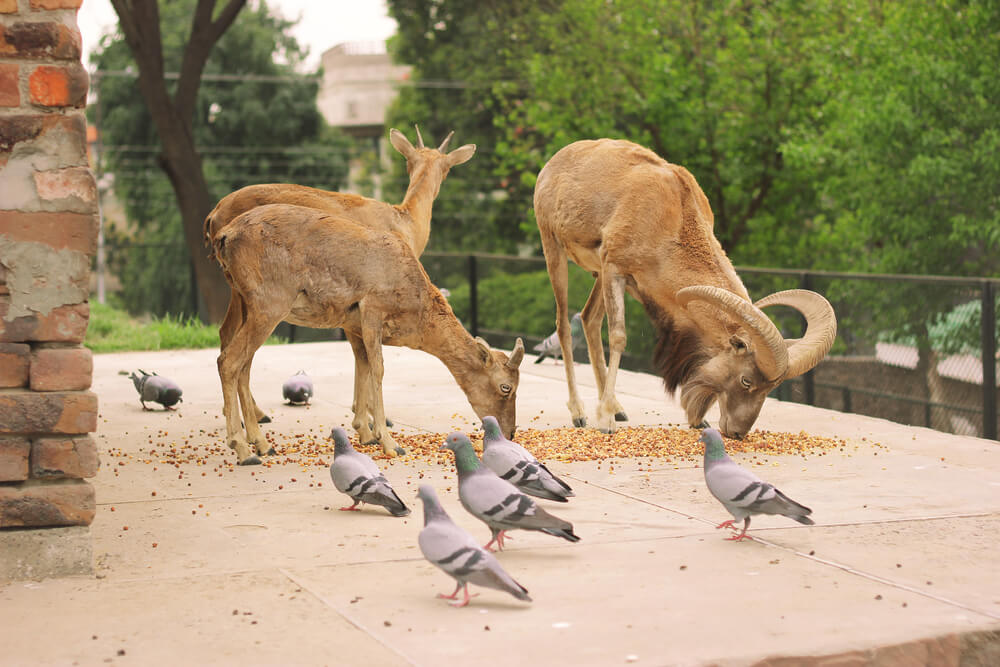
(258, 124)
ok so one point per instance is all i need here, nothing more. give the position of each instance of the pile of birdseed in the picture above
(202, 449)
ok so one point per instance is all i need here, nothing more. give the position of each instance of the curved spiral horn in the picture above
(770, 350)
(821, 328)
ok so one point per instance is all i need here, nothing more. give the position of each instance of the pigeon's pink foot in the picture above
(352, 508)
(465, 600)
(739, 538)
(727, 524)
(453, 596)
(502, 538)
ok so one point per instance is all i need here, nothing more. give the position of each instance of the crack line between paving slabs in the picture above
(347, 617)
(823, 561)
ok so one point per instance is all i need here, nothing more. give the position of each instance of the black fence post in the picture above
(809, 379)
(989, 347)
(473, 297)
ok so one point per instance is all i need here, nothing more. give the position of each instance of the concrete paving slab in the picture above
(651, 582)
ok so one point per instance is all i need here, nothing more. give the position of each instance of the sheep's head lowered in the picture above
(740, 369)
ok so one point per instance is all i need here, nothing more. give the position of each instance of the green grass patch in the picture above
(114, 330)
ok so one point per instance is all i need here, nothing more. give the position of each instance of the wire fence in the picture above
(918, 350)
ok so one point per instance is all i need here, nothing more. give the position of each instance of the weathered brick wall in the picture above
(48, 234)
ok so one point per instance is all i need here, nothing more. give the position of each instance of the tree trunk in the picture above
(174, 118)
(183, 166)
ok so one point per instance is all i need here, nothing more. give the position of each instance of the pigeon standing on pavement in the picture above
(742, 492)
(449, 547)
(496, 502)
(355, 474)
(516, 464)
(550, 346)
(156, 388)
(298, 389)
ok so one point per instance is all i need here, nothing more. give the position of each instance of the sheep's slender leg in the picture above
(235, 317)
(614, 304)
(362, 390)
(255, 331)
(371, 332)
(230, 362)
(555, 262)
(593, 318)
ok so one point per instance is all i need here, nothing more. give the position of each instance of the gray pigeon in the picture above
(298, 389)
(516, 464)
(496, 502)
(355, 474)
(550, 346)
(448, 546)
(742, 492)
(156, 388)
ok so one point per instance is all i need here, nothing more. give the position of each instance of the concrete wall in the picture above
(48, 234)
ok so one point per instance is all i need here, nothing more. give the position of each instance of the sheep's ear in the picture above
(485, 352)
(401, 143)
(461, 154)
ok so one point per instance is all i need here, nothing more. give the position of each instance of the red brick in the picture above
(40, 39)
(27, 411)
(59, 85)
(34, 504)
(61, 369)
(8, 6)
(53, 458)
(68, 130)
(69, 231)
(15, 359)
(56, 4)
(65, 324)
(10, 95)
(73, 183)
(14, 456)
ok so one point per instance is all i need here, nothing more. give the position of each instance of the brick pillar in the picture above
(48, 235)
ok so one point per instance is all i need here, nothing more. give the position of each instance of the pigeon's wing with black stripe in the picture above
(744, 494)
(453, 550)
(357, 475)
(500, 505)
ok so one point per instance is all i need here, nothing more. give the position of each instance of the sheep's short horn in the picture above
(420, 139)
(770, 351)
(517, 356)
(444, 144)
(821, 328)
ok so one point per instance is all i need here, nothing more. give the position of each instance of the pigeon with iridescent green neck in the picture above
(496, 502)
(516, 464)
(355, 474)
(742, 492)
(452, 549)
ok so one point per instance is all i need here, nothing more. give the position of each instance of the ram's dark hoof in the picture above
(580, 422)
(400, 451)
(621, 417)
(271, 452)
(252, 460)
(388, 422)
(704, 424)
(264, 420)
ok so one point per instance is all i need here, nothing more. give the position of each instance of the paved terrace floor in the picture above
(253, 565)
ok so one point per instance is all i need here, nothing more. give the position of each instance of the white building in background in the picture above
(359, 83)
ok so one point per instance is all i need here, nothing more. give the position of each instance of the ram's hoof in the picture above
(621, 417)
(252, 460)
(579, 422)
(400, 451)
(264, 420)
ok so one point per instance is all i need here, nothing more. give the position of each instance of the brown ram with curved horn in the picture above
(642, 225)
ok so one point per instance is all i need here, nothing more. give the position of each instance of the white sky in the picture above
(323, 24)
